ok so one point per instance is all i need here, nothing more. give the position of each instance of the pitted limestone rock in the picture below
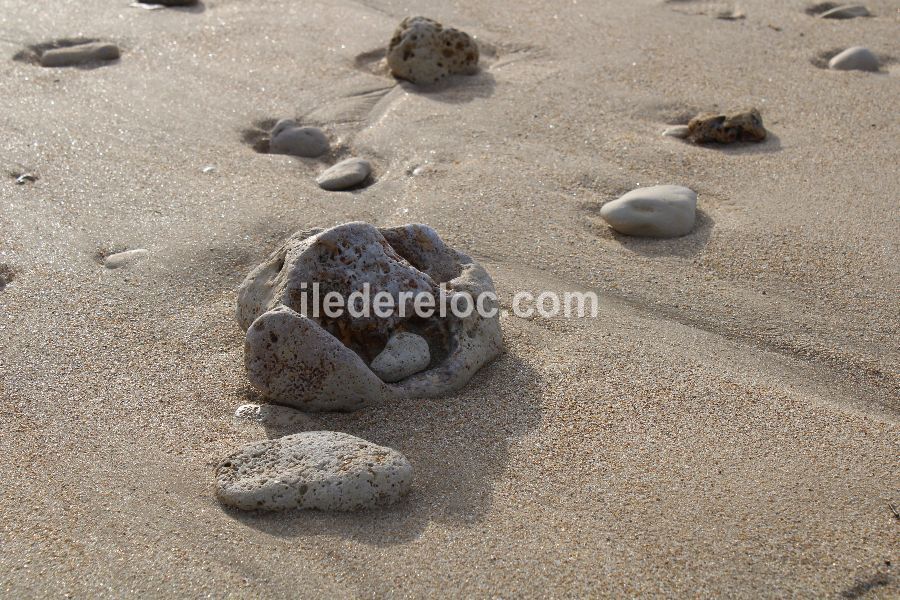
(308, 360)
(423, 51)
(322, 470)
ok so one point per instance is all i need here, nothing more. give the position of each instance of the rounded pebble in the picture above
(344, 174)
(854, 59)
(122, 259)
(323, 470)
(288, 138)
(404, 354)
(661, 211)
(79, 54)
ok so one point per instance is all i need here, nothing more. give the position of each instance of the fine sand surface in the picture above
(728, 426)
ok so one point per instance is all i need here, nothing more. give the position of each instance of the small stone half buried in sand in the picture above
(344, 175)
(727, 128)
(423, 51)
(288, 137)
(847, 11)
(323, 470)
(298, 355)
(660, 211)
(79, 54)
(123, 259)
(169, 2)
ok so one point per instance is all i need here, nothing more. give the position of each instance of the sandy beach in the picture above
(728, 426)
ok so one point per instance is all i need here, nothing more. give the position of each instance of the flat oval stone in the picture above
(344, 174)
(662, 211)
(122, 259)
(856, 58)
(79, 54)
(404, 354)
(308, 142)
(847, 11)
(323, 470)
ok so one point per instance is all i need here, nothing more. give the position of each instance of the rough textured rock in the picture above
(315, 362)
(726, 128)
(677, 131)
(345, 174)
(122, 259)
(854, 59)
(405, 354)
(847, 11)
(423, 51)
(79, 54)
(322, 470)
(662, 211)
(287, 137)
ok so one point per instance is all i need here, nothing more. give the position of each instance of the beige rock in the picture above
(423, 51)
(322, 470)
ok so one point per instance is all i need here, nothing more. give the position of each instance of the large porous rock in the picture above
(423, 51)
(727, 128)
(300, 354)
(322, 470)
(662, 211)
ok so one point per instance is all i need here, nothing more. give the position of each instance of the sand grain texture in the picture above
(728, 426)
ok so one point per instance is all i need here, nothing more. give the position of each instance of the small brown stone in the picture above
(727, 128)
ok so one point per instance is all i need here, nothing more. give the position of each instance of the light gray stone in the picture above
(321, 470)
(856, 58)
(847, 11)
(344, 174)
(405, 354)
(123, 259)
(302, 359)
(288, 138)
(676, 131)
(662, 211)
(423, 51)
(79, 54)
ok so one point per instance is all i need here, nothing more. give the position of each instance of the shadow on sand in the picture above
(458, 446)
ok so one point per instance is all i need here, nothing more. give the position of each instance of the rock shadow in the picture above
(458, 446)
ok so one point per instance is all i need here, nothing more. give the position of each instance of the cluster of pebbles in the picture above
(289, 137)
(298, 356)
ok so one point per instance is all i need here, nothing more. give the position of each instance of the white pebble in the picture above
(856, 58)
(122, 259)
(404, 354)
(344, 174)
(662, 211)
